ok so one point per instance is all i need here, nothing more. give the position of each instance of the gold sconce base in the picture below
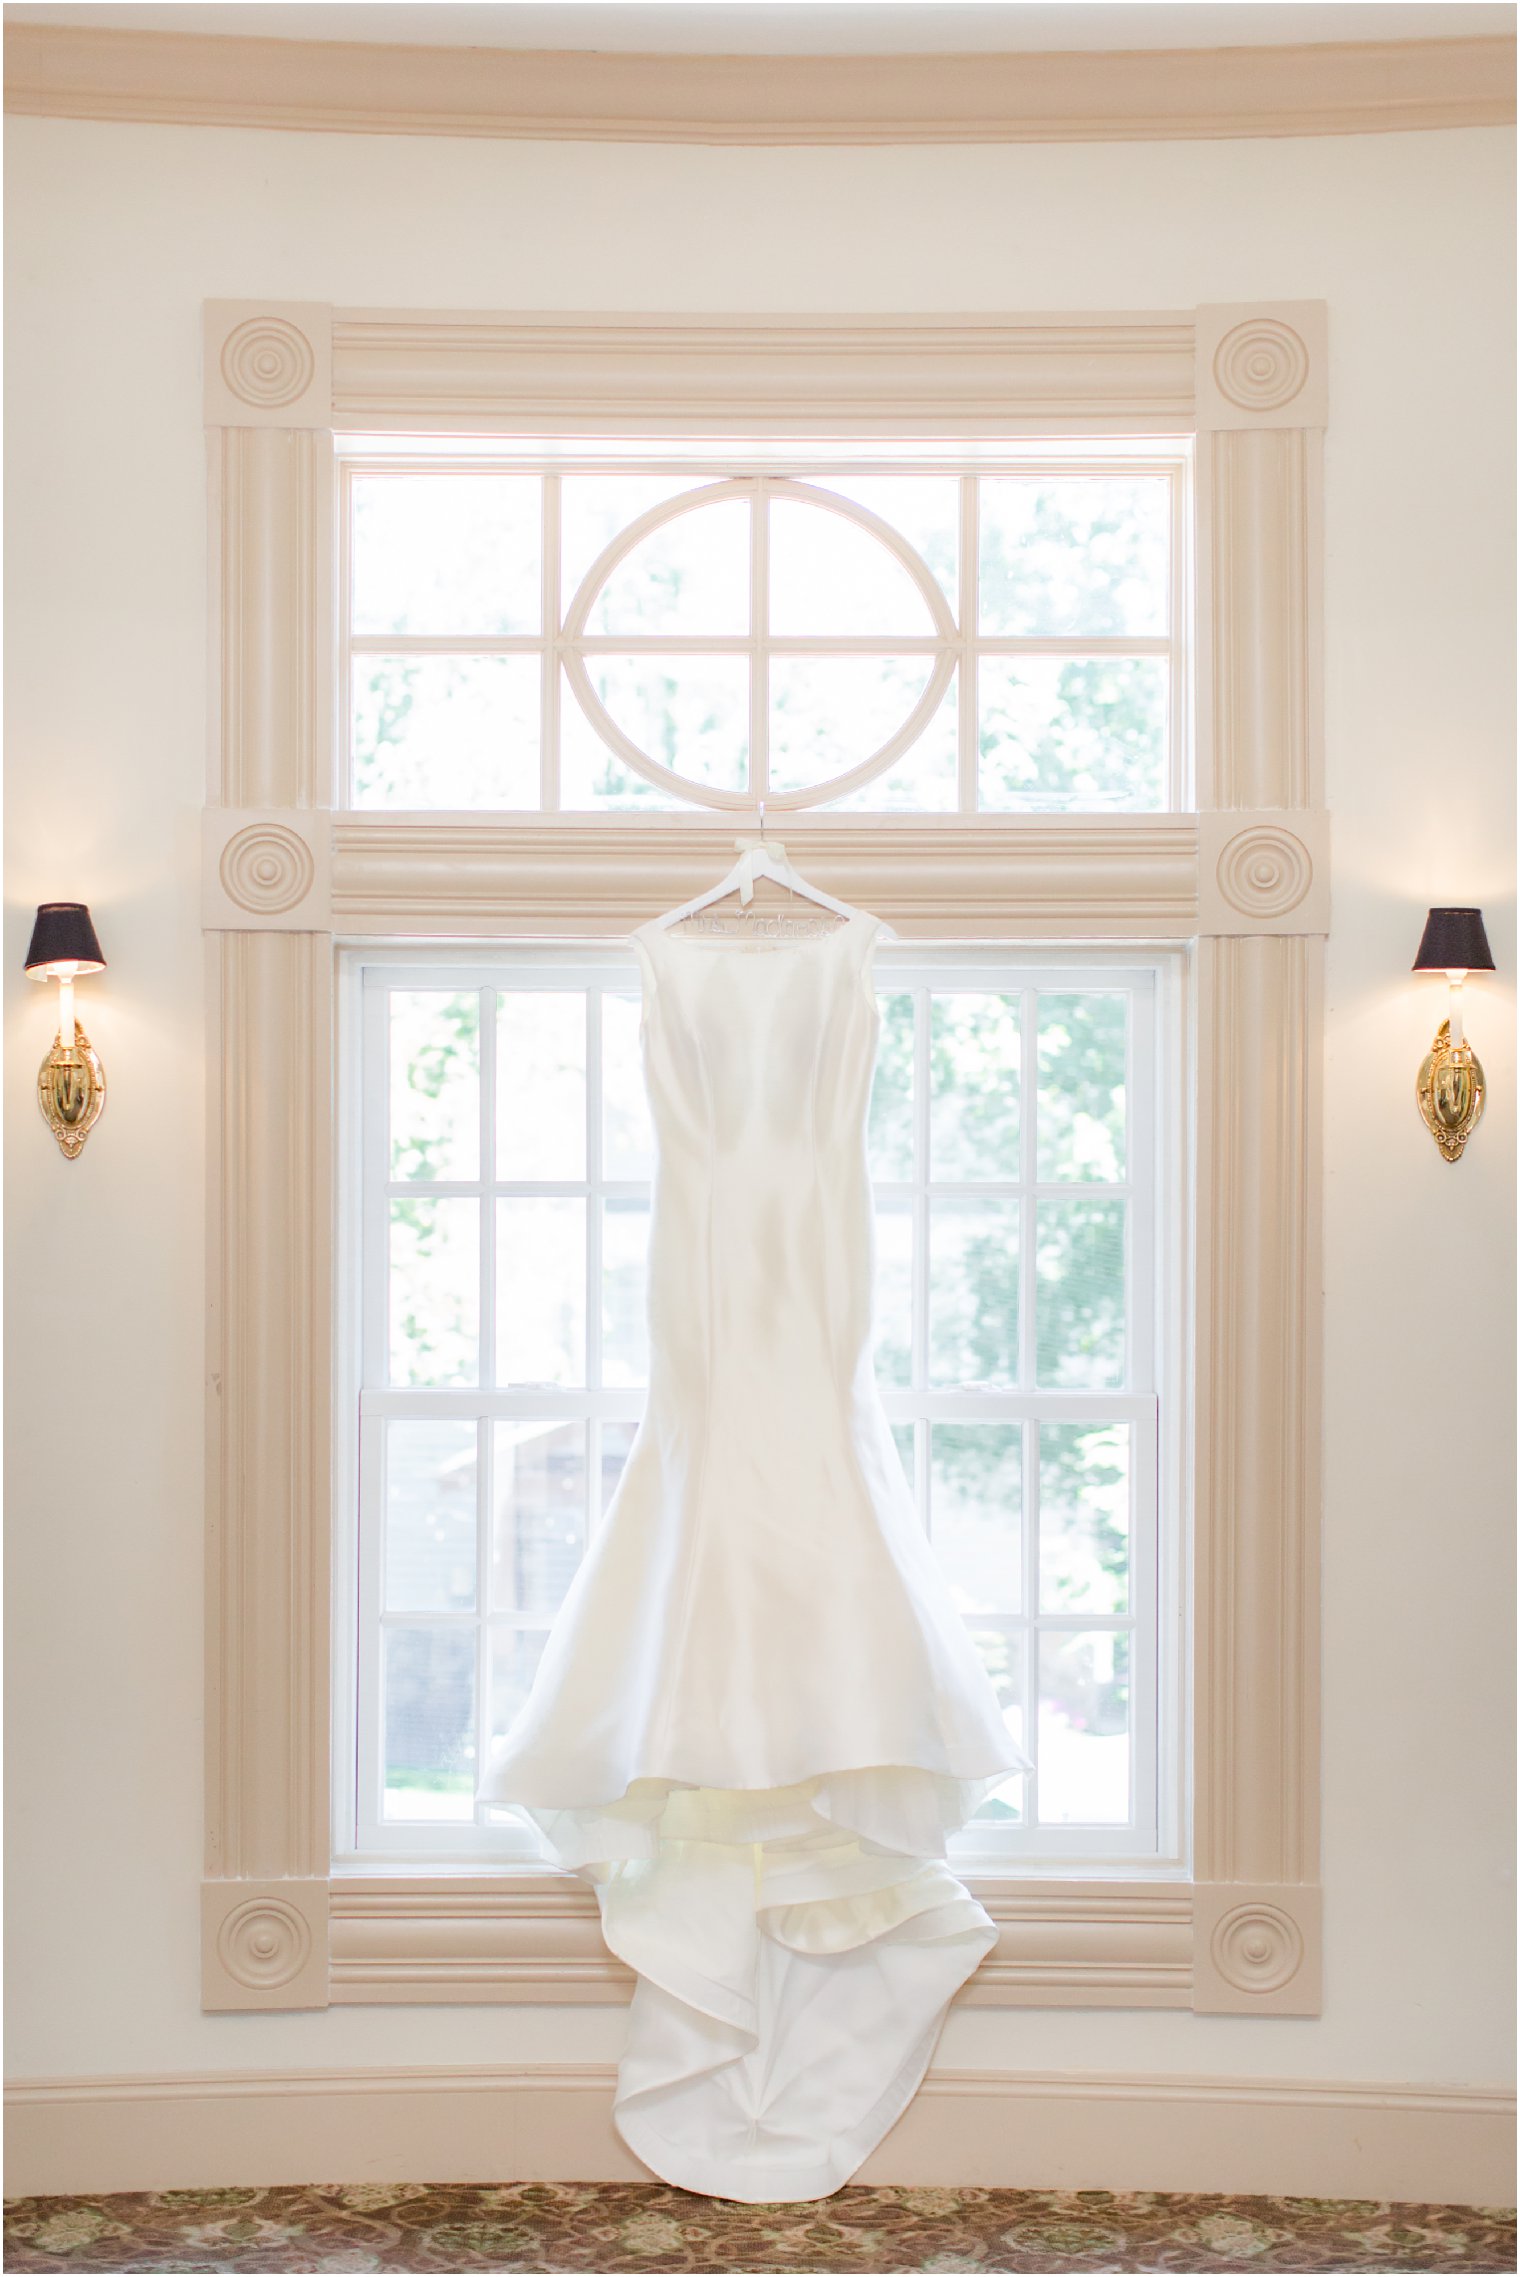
(1450, 1092)
(71, 1091)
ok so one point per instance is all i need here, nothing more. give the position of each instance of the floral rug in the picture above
(644, 2226)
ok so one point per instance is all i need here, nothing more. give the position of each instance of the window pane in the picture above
(429, 1517)
(688, 713)
(458, 557)
(1079, 554)
(627, 1133)
(892, 1321)
(903, 1435)
(925, 779)
(591, 777)
(1082, 1086)
(435, 1084)
(1005, 1804)
(891, 1124)
(830, 574)
(974, 1086)
(1004, 1655)
(828, 713)
(1084, 1729)
(923, 508)
(974, 1292)
(435, 1291)
(515, 1655)
(1079, 1310)
(595, 507)
(1084, 1517)
(430, 1723)
(976, 1493)
(447, 553)
(617, 1441)
(538, 1522)
(541, 1084)
(625, 1273)
(1063, 733)
(446, 731)
(690, 575)
(540, 1291)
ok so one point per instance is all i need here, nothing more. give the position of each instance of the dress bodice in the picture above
(758, 1059)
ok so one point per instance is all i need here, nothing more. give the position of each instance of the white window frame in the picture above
(359, 1833)
(1156, 1337)
(1241, 879)
(957, 646)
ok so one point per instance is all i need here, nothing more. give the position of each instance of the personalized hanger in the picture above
(760, 857)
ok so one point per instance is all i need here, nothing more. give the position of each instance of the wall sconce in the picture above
(1450, 1088)
(71, 1083)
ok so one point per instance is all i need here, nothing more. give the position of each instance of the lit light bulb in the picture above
(64, 972)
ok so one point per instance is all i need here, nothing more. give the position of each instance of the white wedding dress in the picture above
(758, 1714)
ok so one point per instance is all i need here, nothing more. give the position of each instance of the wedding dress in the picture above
(758, 1714)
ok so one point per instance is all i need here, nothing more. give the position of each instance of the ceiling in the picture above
(799, 27)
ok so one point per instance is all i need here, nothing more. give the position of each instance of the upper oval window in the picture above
(880, 630)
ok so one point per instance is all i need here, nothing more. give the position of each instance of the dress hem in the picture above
(780, 2182)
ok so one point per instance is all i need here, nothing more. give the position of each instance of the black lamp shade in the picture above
(63, 934)
(1454, 941)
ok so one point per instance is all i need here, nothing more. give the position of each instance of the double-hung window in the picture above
(901, 634)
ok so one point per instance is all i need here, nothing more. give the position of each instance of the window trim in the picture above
(287, 882)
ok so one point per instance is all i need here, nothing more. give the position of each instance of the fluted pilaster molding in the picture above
(270, 572)
(1260, 676)
(271, 1414)
(1256, 1626)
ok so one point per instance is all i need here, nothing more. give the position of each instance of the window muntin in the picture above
(905, 635)
(504, 1357)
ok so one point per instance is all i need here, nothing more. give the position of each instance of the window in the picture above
(900, 633)
(1231, 877)
(501, 1220)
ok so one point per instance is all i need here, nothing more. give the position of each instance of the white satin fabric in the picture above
(758, 1714)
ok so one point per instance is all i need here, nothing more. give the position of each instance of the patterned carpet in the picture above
(605, 2227)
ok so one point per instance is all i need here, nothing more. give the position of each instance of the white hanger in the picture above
(759, 858)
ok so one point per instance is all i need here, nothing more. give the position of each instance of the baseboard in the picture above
(530, 2122)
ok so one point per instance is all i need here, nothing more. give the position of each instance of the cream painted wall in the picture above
(117, 235)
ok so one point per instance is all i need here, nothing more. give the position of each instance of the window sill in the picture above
(534, 1939)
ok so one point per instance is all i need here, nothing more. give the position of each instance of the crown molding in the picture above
(341, 87)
